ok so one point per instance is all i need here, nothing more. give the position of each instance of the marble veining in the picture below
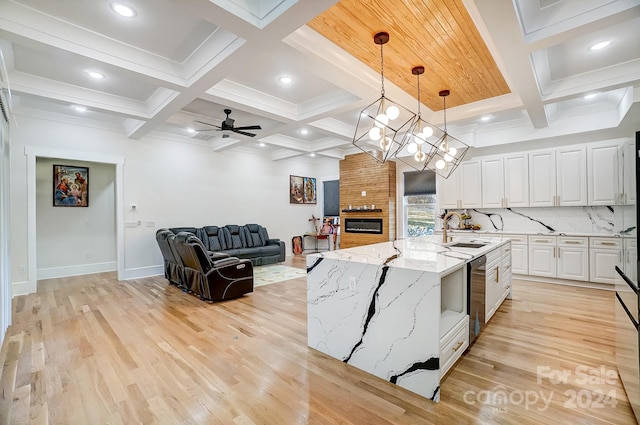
(378, 307)
(591, 220)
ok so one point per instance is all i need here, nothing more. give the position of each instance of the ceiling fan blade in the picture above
(208, 129)
(249, 127)
(235, 130)
(206, 123)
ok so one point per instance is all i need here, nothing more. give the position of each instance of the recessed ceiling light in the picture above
(486, 118)
(285, 79)
(96, 75)
(190, 130)
(304, 131)
(600, 45)
(80, 108)
(590, 96)
(261, 144)
(312, 154)
(123, 10)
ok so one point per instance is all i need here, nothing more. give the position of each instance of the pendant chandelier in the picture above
(380, 122)
(416, 140)
(449, 150)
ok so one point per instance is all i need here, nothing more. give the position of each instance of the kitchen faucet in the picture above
(444, 224)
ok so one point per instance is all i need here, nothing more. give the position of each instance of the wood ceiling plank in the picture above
(438, 34)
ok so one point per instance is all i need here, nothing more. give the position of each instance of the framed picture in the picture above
(70, 186)
(309, 190)
(302, 190)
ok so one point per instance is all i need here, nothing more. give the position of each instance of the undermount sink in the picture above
(467, 245)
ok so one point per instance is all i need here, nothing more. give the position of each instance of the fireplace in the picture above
(363, 225)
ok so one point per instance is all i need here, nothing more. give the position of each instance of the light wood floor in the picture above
(92, 350)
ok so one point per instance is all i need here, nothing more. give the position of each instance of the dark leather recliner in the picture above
(171, 264)
(213, 279)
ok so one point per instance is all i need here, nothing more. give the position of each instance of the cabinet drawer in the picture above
(493, 256)
(542, 240)
(572, 241)
(453, 344)
(516, 239)
(605, 243)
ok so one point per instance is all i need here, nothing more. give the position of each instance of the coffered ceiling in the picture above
(522, 65)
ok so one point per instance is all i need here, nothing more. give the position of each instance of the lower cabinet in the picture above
(604, 255)
(519, 254)
(564, 257)
(542, 256)
(453, 344)
(573, 258)
(498, 278)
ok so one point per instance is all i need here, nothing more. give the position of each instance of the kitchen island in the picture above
(397, 310)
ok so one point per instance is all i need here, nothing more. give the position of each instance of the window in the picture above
(419, 203)
(420, 215)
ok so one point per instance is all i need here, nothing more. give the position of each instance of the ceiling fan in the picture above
(227, 125)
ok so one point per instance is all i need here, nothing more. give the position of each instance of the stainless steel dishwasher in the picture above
(476, 287)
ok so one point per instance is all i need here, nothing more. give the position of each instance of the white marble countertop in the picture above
(426, 253)
(480, 233)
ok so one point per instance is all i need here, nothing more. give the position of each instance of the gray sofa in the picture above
(250, 242)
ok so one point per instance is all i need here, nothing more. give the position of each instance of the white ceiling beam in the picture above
(502, 24)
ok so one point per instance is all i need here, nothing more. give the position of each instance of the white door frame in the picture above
(34, 152)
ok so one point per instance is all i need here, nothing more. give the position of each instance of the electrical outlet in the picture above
(352, 283)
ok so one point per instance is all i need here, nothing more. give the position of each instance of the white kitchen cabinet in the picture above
(542, 184)
(542, 256)
(498, 278)
(572, 258)
(602, 172)
(463, 189)
(519, 254)
(506, 271)
(627, 173)
(631, 258)
(571, 172)
(493, 288)
(505, 181)
(492, 183)
(604, 255)
(561, 257)
(558, 177)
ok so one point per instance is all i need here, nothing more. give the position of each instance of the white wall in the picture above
(173, 182)
(5, 277)
(75, 240)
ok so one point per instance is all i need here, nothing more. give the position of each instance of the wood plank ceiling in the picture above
(438, 34)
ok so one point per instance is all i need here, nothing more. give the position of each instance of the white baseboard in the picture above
(140, 272)
(23, 288)
(556, 281)
(55, 272)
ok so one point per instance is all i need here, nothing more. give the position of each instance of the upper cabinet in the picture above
(505, 181)
(627, 173)
(600, 173)
(463, 188)
(558, 177)
(602, 163)
(571, 165)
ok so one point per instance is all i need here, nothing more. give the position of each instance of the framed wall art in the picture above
(302, 190)
(70, 186)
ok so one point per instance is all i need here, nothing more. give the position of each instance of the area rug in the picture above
(266, 275)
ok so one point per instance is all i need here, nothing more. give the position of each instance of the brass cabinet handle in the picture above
(497, 273)
(572, 242)
(541, 240)
(608, 243)
(458, 345)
